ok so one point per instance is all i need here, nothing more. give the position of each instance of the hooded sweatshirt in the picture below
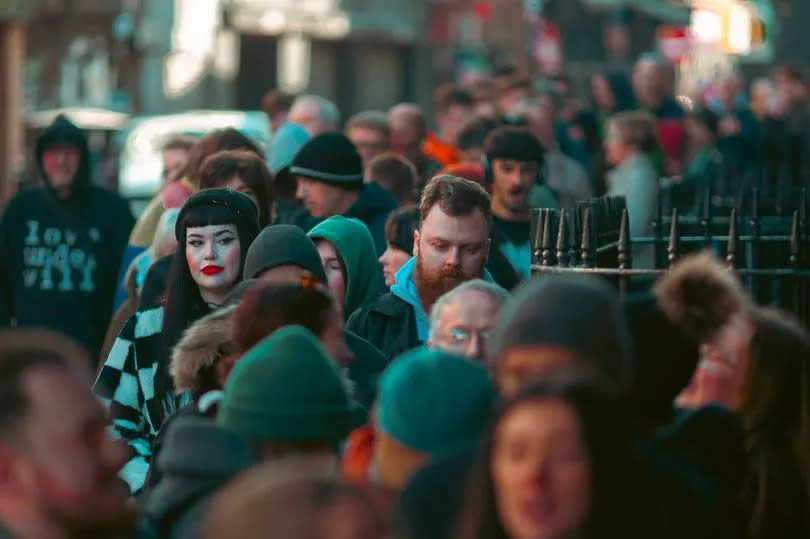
(59, 257)
(354, 245)
(198, 458)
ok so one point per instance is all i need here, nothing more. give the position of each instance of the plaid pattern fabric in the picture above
(126, 386)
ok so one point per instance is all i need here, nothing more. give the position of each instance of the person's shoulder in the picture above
(109, 199)
(386, 306)
(389, 304)
(24, 198)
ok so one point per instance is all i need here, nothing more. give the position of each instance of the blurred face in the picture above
(465, 325)
(335, 279)
(540, 122)
(519, 365)
(60, 164)
(322, 200)
(369, 142)
(174, 160)
(697, 133)
(406, 130)
(393, 259)
(307, 116)
(452, 120)
(213, 256)
(238, 184)
(540, 471)
(513, 180)
(727, 89)
(450, 251)
(67, 467)
(602, 94)
(616, 151)
(647, 83)
(511, 98)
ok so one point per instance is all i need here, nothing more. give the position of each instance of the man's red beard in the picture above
(431, 285)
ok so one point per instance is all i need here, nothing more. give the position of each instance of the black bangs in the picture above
(213, 214)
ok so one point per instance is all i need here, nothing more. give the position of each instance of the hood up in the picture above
(63, 132)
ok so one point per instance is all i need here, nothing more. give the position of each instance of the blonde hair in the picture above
(637, 128)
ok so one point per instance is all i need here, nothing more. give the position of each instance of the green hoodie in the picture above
(354, 244)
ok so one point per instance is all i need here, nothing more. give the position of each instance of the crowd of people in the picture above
(339, 336)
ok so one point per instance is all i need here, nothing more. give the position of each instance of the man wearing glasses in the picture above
(462, 320)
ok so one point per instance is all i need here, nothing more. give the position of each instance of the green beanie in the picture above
(286, 389)
(354, 244)
(434, 402)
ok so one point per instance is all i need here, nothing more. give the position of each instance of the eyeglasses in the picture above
(460, 337)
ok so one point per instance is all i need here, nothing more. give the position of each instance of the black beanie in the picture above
(515, 143)
(329, 158)
(278, 245)
(242, 206)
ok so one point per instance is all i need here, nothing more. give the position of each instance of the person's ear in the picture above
(415, 243)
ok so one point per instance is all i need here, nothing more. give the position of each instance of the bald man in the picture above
(408, 130)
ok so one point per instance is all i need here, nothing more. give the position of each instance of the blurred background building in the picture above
(139, 57)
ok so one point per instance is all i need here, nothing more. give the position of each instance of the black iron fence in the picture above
(770, 253)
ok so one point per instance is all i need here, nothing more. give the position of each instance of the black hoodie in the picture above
(59, 257)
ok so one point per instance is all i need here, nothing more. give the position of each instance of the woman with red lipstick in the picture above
(214, 229)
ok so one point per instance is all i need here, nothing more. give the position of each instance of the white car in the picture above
(142, 138)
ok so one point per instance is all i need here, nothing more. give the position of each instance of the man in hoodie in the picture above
(284, 403)
(329, 172)
(61, 244)
(450, 247)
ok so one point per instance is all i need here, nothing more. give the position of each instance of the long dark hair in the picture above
(776, 418)
(184, 304)
(599, 411)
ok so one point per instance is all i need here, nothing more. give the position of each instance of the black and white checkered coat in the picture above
(126, 385)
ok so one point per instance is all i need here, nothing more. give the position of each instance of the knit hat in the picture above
(354, 244)
(329, 158)
(278, 245)
(577, 312)
(434, 402)
(246, 213)
(286, 389)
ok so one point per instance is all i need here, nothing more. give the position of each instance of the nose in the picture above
(209, 253)
(453, 257)
(383, 258)
(300, 190)
(475, 347)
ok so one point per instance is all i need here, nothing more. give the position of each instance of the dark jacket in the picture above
(59, 257)
(389, 323)
(364, 372)
(198, 458)
(373, 207)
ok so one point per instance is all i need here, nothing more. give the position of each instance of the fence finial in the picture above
(625, 257)
(546, 255)
(674, 239)
(588, 248)
(538, 238)
(562, 239)
(795, 241)
(733, 240)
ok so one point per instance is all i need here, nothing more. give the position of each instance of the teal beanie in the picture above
(434, 402)
(286, 388)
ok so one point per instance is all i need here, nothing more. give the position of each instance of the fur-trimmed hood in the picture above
(200, 348)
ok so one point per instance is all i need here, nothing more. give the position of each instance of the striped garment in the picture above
(126, 385)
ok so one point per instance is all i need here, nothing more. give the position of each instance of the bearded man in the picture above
(451, 247)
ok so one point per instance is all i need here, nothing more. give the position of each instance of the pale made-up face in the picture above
(320, 199)
(392, 259)
(453, 245)
(213, 256)
(513, 180)
(335, 279)
(465, 325)
(61, 163)
(70, 463)
(540, 471)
